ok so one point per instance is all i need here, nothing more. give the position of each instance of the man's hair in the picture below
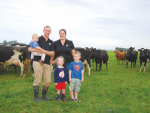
(60, 57)
(77, 52)
(47, 26)
(35, 35)
(62, 30)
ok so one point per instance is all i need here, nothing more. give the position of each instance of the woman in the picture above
(64, 47)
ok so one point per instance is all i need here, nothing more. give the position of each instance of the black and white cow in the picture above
(131, 56)
(148, 57)
(101, 57)
(92, 54)
(143, 57)
(85, 56)
(15, 55)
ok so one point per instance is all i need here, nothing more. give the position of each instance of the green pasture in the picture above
(116, 90)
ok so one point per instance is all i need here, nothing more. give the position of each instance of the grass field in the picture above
(116, 90)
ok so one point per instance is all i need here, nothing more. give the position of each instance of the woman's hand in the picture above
(52, 62)
(66, 82)
(55, 83)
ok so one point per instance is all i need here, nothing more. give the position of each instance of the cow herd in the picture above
(19, 55)
(131, 56)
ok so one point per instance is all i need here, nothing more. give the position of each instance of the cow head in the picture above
(143, 52)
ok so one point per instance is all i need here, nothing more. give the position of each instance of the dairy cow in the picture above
(131, 56)
(101, 57)
(15, 55)
(85, 56)
(120, 55)
(143, 57)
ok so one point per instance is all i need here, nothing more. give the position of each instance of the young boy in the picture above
(35, 45)
(75, 71)
(60, 78)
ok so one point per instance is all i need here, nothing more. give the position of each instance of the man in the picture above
(43, 70)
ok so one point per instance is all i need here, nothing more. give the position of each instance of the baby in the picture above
(35, 45)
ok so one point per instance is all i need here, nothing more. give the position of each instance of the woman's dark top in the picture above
(64, 50)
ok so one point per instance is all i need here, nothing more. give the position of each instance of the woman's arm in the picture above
(72, 51)
(51, 60)
(49, 53)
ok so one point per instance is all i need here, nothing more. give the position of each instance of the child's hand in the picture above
(66, 82)
(55, 83)
(82, 79)
(70, 80)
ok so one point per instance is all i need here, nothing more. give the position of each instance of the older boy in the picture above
(75, 71)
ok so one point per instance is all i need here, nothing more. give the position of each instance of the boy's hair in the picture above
(60, 57)
(35, 35)
(77, 52)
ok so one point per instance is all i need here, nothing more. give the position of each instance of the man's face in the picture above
(47, 31)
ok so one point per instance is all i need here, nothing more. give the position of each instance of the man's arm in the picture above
(49, 53)
(32, 50)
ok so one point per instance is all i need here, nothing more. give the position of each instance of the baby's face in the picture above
(60, 61)
(36, 39)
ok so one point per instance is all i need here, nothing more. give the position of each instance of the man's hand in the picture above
(55, 83)
(66, 82)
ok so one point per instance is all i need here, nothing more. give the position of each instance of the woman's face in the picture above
(62, 35)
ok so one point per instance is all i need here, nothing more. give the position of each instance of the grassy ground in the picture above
(116, 90)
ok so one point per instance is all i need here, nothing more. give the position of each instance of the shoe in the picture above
(77, 100)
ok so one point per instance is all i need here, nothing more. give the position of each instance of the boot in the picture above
(58, 98)
(60, 94)
(35, 93)
(44, 91)
(63, 98)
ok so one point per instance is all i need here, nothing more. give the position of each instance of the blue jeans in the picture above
(66, 65)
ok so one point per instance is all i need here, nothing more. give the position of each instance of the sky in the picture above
(102, 24)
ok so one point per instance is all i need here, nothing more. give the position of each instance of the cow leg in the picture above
(140, 66)
(15, 68)
(144, 66)
(100, 66)
(106, 66)
(96, 66)
(131, 64)
(147, 65)
(89, 69)
(127, 65)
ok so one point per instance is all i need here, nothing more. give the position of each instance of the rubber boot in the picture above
(63, 98)
(35, 93)
(58, 98)
(60, 94)
(44, 91)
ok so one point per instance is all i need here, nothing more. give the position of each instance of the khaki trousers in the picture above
(42, 70)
